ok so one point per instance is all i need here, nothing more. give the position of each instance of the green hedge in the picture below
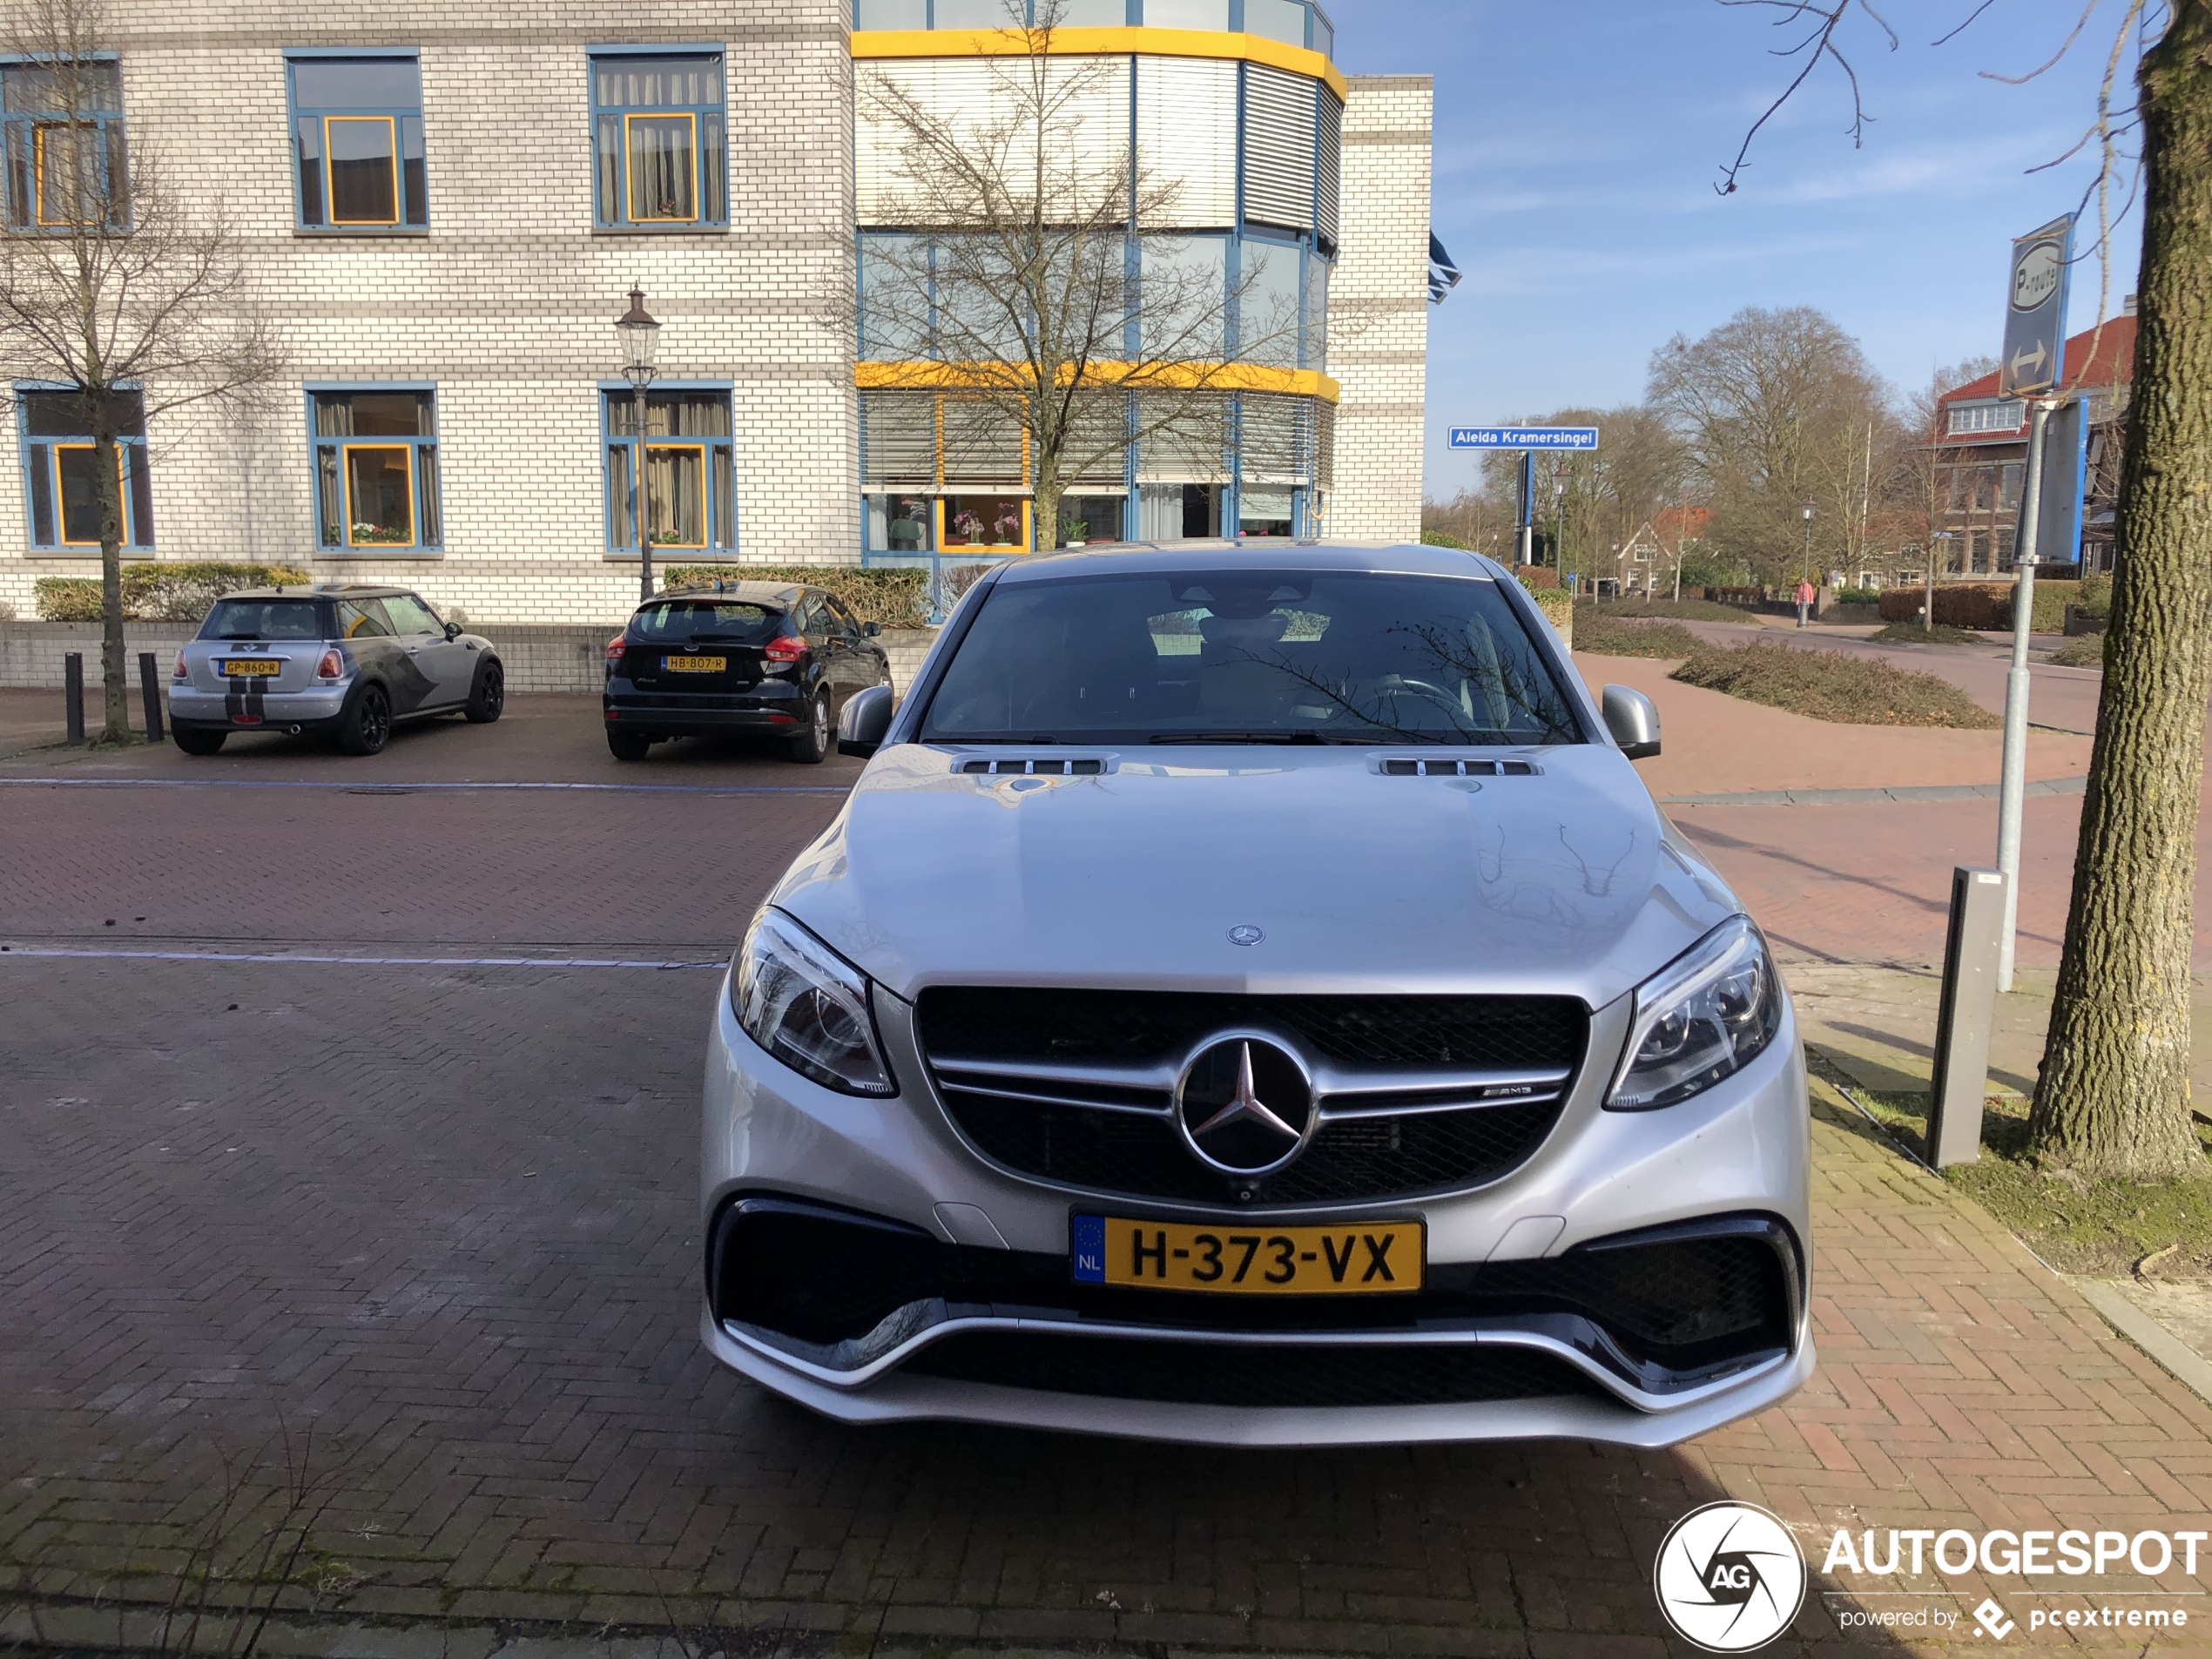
(1984, 605)
(895, 596)
(160, 592)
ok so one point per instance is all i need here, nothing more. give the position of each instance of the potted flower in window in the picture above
(382, 534)
(1009, 529)
(970, 525)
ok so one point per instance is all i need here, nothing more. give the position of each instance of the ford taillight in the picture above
(785, 649)
(332, 667)
(614, 649)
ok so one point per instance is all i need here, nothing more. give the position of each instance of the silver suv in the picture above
(351, 661)
(1251, 998)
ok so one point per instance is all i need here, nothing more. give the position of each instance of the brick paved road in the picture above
(444, 1214)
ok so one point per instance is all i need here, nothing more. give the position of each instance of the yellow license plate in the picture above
(695, 664)
(1362, 1258)
(248, 666)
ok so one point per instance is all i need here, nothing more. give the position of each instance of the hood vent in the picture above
(1053, 768)
(1458, 769)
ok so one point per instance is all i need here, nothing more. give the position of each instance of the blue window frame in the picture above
(61, 481)
(1296, 23)
(65, 154)
(357, 149)
(658, 140)
(691, 500)
(376, 454)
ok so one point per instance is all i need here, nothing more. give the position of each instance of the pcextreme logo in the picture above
(1730, 1577)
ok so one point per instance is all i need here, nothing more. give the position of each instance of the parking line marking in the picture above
(409, 789)
(352, 961)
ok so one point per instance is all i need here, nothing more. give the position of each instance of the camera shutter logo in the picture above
(1730, 1577)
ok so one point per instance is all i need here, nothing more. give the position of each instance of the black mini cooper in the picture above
(766, 657)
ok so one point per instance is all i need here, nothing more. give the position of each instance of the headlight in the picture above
(1710, 1012)
(807, 1006)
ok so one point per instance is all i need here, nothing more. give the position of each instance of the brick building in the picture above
(445, 205)
(1981, 454)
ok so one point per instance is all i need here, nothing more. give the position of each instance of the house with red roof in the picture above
(1981, 454)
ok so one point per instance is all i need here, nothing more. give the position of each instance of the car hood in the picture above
(1567, 881)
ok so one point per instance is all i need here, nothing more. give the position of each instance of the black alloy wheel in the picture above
(197, 740)
(366, 723)
(488, 697)
(627, 746)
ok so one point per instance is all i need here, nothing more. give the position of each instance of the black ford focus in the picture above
(767, 658)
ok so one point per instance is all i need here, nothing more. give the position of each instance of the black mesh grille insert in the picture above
(1347, 1161)
(1207, 1373)
(1674, 1297)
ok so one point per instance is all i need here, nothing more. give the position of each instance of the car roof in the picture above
(777, 593)
(314, 591)
(1406, 558)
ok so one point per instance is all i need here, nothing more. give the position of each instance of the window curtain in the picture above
(675, 497)
(663, 173)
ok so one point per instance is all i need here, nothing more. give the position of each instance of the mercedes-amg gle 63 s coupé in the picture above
(1248, 997)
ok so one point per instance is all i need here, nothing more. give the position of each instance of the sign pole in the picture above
(1524, 534)
(2015, 766)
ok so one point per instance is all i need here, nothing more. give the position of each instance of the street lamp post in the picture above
(640, 337)
(1805, 575)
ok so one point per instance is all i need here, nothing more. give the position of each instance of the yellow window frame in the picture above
(706, 496)
(61, 508)
(330, 164)
(38, 132)
(1026, 545)
(630, 178)
(346, 469)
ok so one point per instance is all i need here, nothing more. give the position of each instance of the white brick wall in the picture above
(507, 305)
(1378, 308)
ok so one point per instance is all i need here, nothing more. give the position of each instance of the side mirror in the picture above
(870, 629)
(453, 630)
(863, 721)
(1633, 721)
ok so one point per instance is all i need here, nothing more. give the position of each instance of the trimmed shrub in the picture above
(1558, 609)
(1537, 578)
(1857, 596)
(1984, 605)
(2083, 650)
(158, 592)
(1437, 538)
(895, 596)
(1608, 635)
(1831, 685)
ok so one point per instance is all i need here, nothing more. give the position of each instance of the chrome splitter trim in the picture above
(768, 1346)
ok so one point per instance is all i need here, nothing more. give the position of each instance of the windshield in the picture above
(264, 619)
(1250, 656)
(727, 619)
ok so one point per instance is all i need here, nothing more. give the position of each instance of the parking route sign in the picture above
(1523, 437)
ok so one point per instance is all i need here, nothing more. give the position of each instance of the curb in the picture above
(2189, 1368)
(1901, 792)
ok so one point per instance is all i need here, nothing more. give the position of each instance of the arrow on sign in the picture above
(2030, 360)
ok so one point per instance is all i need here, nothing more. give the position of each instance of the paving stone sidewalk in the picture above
(461, 1251)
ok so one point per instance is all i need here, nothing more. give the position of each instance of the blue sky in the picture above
(1577, 143)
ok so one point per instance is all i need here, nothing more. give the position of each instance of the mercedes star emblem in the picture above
(1245, 1105)
(1245, 934)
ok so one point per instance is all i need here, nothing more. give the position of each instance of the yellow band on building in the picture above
(1133, 377)
(1093, 43)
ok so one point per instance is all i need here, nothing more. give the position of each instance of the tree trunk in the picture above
(1044, 508)
(115, 700)
(2114, 1095)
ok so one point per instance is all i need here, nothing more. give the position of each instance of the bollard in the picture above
(152, 687)
(1969, 1006)
(73, 690)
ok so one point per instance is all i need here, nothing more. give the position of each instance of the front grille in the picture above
(1104, 1123)
(1216, 1373)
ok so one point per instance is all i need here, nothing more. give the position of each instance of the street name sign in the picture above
(1523, 437)
(2036, 310)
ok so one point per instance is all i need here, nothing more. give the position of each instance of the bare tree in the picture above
(2113, 1096)
(1031, 279)
(1777, 408)
(111, 291)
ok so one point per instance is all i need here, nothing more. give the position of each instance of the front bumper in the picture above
(948, 1294)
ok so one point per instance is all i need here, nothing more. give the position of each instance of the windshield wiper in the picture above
(1265, 736)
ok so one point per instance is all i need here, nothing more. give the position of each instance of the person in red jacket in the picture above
(1804, 599)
